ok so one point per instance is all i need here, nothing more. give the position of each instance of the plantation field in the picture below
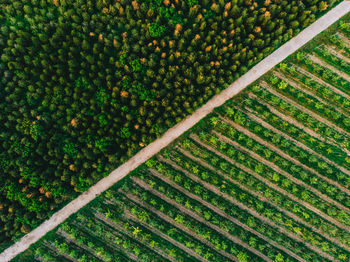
(86, 84)
(265, 177)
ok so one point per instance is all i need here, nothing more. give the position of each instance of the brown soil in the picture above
(336, 53)
(82, 246)
(129, 234)
(323, 63)
(280, 171)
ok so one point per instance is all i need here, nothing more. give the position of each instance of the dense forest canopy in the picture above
(86, 84)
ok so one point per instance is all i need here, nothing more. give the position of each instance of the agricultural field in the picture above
(265, 177)
(85, 84)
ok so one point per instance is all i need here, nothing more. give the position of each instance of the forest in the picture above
(86, 84)
(264, 177)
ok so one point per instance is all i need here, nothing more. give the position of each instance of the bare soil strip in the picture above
(323, 63)
(282, 154)
(321, 81)
(274, 186)
(251, 211)
(253, 74)
(294, 122)
(304, 109)
(282, 172)
(334, 52)
(262, 198)
(129, 234)
(303, 88)
(180, 227)
(294, 141)
(203, 221)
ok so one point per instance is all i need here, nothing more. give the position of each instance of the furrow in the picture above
(303, 88)
(337, 54)
(129, 234)
(240, 205)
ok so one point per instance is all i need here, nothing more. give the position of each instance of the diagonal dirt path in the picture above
(282, 154)
(257, 119)
(241, 83)
(303, 88)
(261, 197)
(251, 211)
(203, 221)
(304, 109)
(273, 186)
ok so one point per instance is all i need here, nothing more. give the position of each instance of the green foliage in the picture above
(70, 149)
(102, 97)
(156, 30)
(191, 2)
(102, 144)
(136, 65)
(125, 132)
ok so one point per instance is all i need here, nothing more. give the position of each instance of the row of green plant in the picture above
(325, 148)
(179, 215)
(226, 186)
(232, 173)
(324, 73)
(280, 142)
(277, 179)
(331, 59)
(301, 116)
(320, 90)
(210, 215)
(296, 171)
(310, 102)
